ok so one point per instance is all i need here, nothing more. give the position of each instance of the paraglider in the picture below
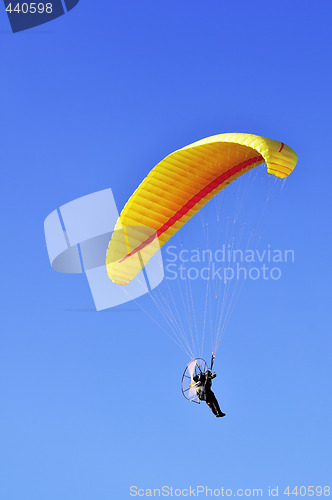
(204, 382)
(196, 385)
(171, 194)
(178, 187)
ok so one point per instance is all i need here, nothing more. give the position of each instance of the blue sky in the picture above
(90, 402)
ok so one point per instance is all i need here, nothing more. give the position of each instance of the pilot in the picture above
(204, 392)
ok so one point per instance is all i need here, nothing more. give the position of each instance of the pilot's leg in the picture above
(213, 404)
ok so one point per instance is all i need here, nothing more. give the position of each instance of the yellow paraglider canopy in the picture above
(181, 184)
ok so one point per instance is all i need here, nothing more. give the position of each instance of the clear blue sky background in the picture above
(94, 100)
